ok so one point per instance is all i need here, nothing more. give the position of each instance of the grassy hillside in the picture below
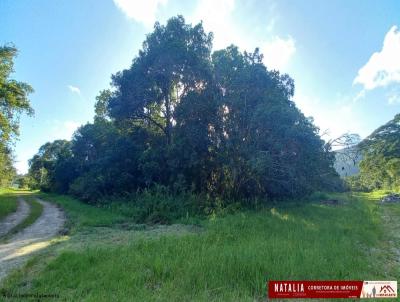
(223, 259)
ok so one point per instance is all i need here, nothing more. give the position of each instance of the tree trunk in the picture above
(168, 117)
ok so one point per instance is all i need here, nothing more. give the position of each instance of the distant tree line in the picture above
(191, 120)
(13, 102)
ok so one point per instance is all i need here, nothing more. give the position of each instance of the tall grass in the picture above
(8, 203)
(230, 261)
(83, 215)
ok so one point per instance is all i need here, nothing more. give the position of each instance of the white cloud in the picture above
(217, 17)
(56, 130)
(142, 11)
(74, 89)
(394, 99)
(271, 24)
(22, 166)
(23, 156)
(63, 129)
(278, 52)
(383, 68)
(359, 95)
(336, 119)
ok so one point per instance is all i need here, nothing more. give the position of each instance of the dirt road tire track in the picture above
(12, 220)
(17, 250)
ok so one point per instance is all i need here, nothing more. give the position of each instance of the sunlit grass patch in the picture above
(8, 203)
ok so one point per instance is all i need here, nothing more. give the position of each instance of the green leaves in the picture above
(379, 167)
(50, 167)
(13, 96)
(13, 102)
(174, 60)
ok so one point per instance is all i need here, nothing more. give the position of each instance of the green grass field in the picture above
(229, 259)
(8, 203)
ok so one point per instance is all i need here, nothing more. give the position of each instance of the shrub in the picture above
(156, 205)
(318, 196)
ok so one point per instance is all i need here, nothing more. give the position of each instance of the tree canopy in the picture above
(13, 102)
(192, 120)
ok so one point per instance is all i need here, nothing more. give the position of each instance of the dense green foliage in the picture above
(189, 120)
(13, 102)
(22, 181)
(380, 164)
(7, 170)
(49, 167)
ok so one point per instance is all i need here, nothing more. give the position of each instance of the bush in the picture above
(87, 188)
(159, 205)
(355, 183)
(318, 196)
(156, 205)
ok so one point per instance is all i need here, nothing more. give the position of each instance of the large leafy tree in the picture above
(186, 119)
(174, 61)
(269, 146)
(13, 95)
(51, 169)
(198, 136)
(13, 102)
(111, 160)
(7, 170)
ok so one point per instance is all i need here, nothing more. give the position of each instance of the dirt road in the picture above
(15, 218)
(37, 236)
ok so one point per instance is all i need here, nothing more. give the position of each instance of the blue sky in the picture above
(344, 55)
